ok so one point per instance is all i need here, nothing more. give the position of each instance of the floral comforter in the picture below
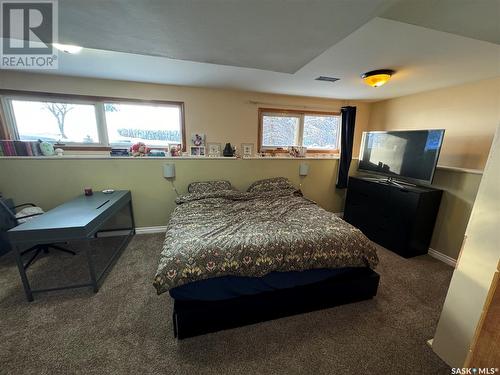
(252, 234)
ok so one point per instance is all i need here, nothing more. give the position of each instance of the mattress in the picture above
(253, 234)
(227, 287)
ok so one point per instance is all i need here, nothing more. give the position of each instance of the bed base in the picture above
(193, 318)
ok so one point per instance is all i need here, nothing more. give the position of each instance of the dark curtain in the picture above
(346, 140)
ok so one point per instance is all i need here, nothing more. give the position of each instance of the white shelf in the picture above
(458, 169)
(107, 157)
(288, 158)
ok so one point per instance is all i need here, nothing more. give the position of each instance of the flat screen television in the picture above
(409, 155)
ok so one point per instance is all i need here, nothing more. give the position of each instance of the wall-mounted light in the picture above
(303, 169)
(169, 171)
(303, 172)
(169, 174)
(377, 78)
(68, 48)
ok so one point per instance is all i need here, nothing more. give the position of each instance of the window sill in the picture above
(107, 157)
(83, 148)
(308, 152)
(286, 157)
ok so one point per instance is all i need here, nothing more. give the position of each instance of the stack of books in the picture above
(20, 148)
(119, 152)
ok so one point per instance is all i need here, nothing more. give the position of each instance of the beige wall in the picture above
(472, 279)
(460, 191)
(470, 114)
(223, 115)
(50, 182)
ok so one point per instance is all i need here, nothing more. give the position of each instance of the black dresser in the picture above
(400, 218)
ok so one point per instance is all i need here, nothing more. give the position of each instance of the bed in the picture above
(232, 258)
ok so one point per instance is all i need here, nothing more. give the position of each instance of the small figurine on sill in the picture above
(297, 152)
(293, 151)
(139, 149)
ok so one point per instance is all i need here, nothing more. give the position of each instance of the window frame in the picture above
(293, 113)
(8, 127)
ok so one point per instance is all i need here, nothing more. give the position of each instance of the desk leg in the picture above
(131, 216)
(22, 273)
(93, 280)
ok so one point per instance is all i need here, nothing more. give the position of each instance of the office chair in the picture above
(14, 221)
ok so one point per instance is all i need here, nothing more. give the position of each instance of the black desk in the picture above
(81, 218)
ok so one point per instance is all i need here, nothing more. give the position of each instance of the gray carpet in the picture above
(126, 327)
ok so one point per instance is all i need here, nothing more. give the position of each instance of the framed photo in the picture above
(214, 149)
(198, 139)
(197, 151)
(247, 150)
(176, 150)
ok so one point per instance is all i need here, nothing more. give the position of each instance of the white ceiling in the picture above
(423, 57)
(477, 19)
(277, 35)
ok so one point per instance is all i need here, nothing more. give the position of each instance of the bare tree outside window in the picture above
(321, 132)
(59, 111)
(315, 131)
(110, 107)
(280, 131)
(83, 121)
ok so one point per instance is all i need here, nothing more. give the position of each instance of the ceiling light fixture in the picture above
(68, 48)
(377, 78)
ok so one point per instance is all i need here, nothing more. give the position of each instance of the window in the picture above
(88, 121)
(319, 132)
(158, 125)
(54, 121)
(280, 130)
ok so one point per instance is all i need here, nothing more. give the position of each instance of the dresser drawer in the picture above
(400, 219)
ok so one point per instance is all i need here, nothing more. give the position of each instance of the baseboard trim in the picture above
(149, 230)
(443, 257)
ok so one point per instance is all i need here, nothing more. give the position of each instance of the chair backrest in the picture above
(8, 218)
(7, 221)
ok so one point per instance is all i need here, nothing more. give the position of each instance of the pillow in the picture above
(269, 184)
(28, 211)
(209, 186)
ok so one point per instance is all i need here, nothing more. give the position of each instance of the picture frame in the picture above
(197, 151)
(198, 139)
(247, 150)
(175, 150)
(214, 149)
